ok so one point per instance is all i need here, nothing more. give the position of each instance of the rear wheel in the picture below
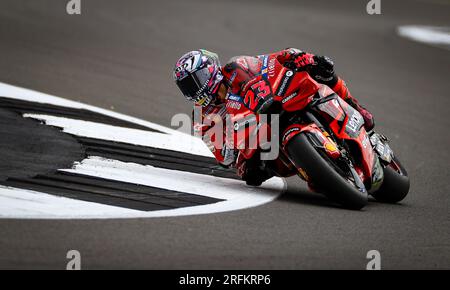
(395, 185)
(339, 185)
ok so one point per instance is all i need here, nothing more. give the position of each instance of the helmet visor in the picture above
(195, 84)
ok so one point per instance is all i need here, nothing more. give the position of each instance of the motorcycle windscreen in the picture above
(333, 114)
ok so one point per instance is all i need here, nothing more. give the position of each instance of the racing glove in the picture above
(296, 59)
(320, 68)
(303, 60)
(322, 71)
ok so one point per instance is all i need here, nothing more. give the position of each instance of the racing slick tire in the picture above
(304, 155)
(395, 184)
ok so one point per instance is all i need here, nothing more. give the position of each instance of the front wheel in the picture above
(324, 174)
(395, 185)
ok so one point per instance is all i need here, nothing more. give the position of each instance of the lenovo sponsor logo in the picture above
(355, 122)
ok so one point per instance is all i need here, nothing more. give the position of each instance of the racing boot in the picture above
(253, 171)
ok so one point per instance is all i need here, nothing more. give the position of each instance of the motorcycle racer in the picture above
(202, 80)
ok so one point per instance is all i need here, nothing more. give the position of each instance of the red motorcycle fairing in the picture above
(294, 90)
(319, 136)
(296, 98)
(348, 124)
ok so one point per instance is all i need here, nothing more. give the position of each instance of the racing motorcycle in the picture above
(322, 140)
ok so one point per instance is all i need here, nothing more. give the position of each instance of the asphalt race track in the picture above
(119, 55)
